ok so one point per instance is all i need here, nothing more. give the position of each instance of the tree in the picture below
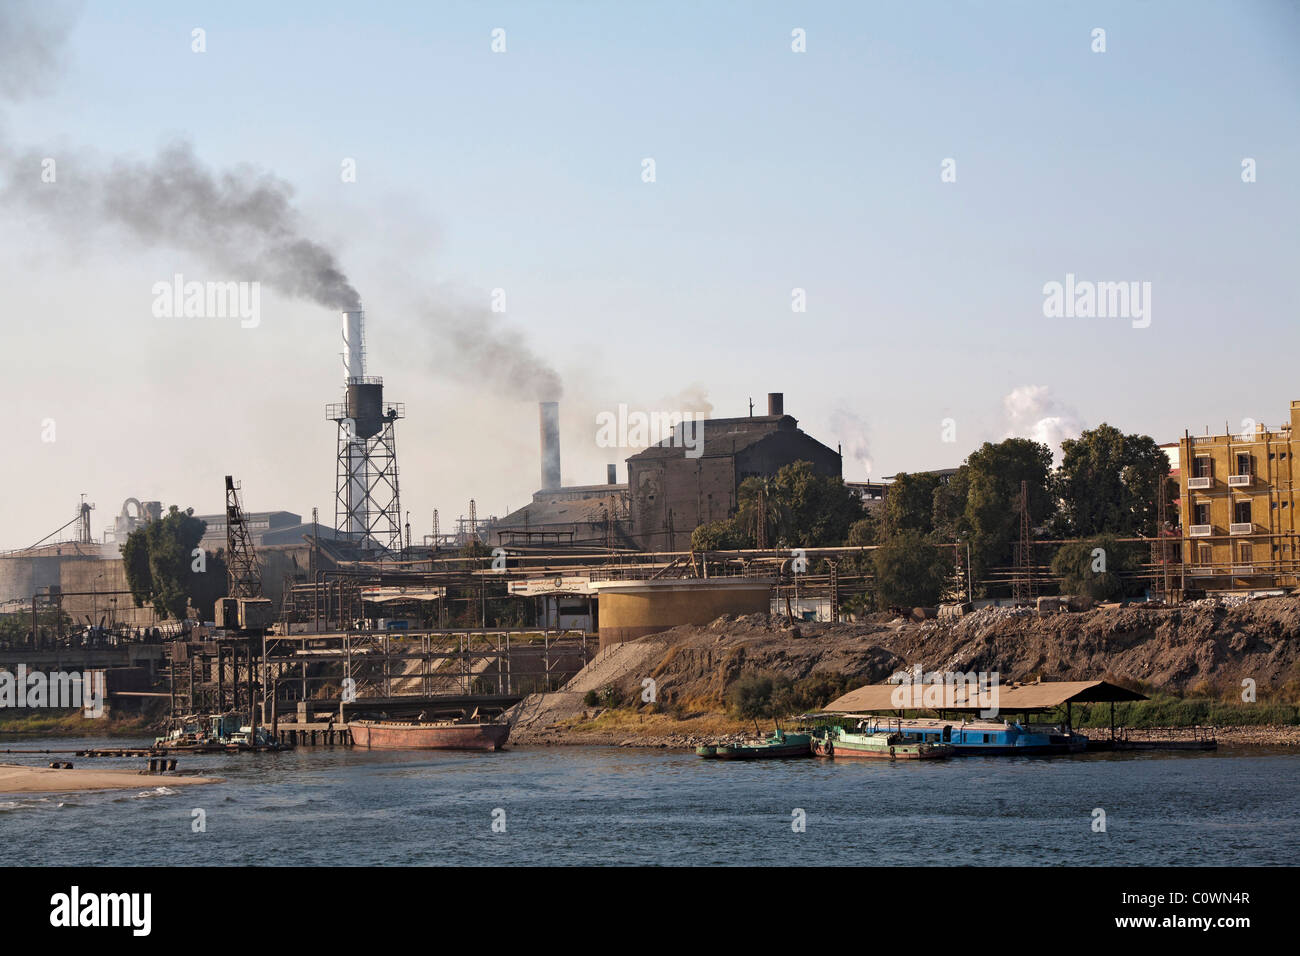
(1109, 482)
(800, 507)
(821, 508)
(910, 502)
(724, 534)
(994, 474)
(910, 571)
(163, 568)
(865, 531)
(948, 513)
(1092, 568)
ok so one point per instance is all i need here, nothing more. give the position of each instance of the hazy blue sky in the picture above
(775, 170)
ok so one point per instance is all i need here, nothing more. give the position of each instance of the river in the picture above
(624, 806)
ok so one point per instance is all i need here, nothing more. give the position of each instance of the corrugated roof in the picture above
(1010, 697)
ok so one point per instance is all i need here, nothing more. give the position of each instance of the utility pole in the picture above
(1022, 588)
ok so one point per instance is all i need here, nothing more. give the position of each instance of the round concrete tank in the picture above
(632, 609)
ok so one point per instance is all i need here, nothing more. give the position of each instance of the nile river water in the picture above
(579, 805)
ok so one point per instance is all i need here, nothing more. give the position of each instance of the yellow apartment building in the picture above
(1238, 508)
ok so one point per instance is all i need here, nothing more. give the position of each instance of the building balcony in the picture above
(1197, 572)
(1240, 481)
(1199, 484)
(1200, 530)
(1241, 527)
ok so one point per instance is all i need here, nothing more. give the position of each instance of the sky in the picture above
(919, 172)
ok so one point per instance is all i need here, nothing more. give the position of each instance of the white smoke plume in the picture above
(1032, 412)
(850, 430)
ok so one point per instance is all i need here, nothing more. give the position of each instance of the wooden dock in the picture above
(331, 734)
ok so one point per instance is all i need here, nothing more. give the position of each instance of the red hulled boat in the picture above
(428, 735)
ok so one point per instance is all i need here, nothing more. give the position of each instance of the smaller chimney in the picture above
(775, 403)
(550, 436)
(611, 474)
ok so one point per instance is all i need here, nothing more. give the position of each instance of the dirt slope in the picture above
(1205, 646)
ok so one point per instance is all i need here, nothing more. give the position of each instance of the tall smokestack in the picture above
(775, 403)
(354, 344)
(354, 367)
(611, 474)
(550, 433)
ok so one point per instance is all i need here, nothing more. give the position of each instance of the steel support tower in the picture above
(367, 505)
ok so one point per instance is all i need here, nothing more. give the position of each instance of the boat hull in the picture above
(779, 751)
(844, 751)
(385, 736)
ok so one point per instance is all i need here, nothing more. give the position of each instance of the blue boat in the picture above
(980, 737)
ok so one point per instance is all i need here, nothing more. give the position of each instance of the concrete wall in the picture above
(107, 594)
(673, 496)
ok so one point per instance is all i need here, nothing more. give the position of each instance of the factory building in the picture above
(1238, 507)
(691, 479)
(559, 516)
(265, 528)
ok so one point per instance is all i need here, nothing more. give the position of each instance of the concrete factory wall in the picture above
(632, 609)
(21, 576)
(99, 578)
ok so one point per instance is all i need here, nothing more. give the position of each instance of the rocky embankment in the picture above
(1203, 648)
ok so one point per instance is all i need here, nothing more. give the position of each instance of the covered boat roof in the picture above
(1007, 697)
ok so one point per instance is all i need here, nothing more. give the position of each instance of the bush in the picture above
(591, 699)
(722, 535)
(753, 695)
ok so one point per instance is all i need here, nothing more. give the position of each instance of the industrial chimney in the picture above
(550, 434)
(611, 474)
(775, 403)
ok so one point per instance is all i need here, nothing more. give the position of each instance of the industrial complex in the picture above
(457, 616)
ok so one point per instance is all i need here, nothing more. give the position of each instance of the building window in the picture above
(1241, 512)
(1202, 514)
(1203, 467)
(1244, 553)
(1243, 464)
(1204, 555)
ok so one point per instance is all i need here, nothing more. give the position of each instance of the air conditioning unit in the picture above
(1200, 530)
(1195, 484)
(1243, 527)
(1237, 481)
(1243, 569)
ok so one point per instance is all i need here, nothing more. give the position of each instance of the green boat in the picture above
(838, 743)
(706, 750)
(777, 744)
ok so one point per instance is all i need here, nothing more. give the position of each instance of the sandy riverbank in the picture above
(23, 779)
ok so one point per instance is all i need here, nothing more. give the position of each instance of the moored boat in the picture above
(979, 737)
(215, 734)
(774, 745)
(706, 750)
(428, 735)
(840, 744)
